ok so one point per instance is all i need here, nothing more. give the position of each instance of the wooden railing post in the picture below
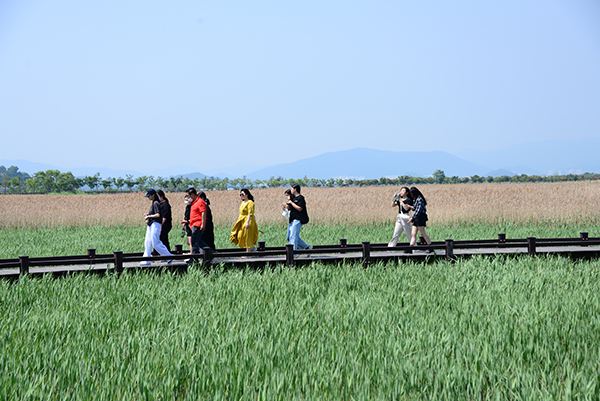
(422, 241)
(24, 267)
(343, 244)
(289, 255)
(531, 246)
(119, 261)
(178, 249)
(261, 246)
(207, 256)
(366, 253)
(91, 253)
(501, 240)
(450, 249)
(583, 236)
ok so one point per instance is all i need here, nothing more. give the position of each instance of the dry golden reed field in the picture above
(569, 202)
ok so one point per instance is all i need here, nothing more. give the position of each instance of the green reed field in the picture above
(485, 328)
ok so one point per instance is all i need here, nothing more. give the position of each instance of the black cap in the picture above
(150, 192)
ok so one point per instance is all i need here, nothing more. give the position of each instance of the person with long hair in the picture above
(209, 231)
(245, 231)
(419, 217)
(167, 218)
(402, 200)
(153, 220)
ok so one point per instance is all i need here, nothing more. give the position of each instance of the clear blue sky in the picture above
(146, 84)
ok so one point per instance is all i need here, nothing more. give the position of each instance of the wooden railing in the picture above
(364, 252)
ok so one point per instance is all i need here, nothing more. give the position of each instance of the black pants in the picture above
(197, 242)
(164, 235)
(164, 238)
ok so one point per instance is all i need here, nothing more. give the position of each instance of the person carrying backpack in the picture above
(298, 217)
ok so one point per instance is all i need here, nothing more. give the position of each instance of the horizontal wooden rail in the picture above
(365, 252)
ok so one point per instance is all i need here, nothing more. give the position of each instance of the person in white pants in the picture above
(403, 201)
(154, 220)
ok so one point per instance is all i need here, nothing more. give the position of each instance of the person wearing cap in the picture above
(154, 221)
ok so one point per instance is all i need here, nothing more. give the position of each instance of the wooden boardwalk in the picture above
(364, 253)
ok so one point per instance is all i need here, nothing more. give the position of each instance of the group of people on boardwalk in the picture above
(198, 223)
(199, 228)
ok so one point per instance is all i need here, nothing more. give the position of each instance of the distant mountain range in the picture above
(542, 158)
(371, 163)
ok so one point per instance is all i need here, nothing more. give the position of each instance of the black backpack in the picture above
(304, 218)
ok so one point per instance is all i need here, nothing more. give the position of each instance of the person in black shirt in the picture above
(298, 217)
(187, 231)
(403, 201)
(167, 218)
(419, 217)
(208, 235)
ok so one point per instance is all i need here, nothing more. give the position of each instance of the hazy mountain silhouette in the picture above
(544, 158)
(371, 163)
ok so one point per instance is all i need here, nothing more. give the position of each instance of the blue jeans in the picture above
(293, 235)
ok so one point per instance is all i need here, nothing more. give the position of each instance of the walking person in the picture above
(403, 201)
(208, 236)
(298, 217)
(419, 217)
(245, 231)
(186, 231)
(197, 221)
(153, 220)
(167, 218)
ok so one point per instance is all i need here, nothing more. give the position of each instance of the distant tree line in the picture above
(12, 181)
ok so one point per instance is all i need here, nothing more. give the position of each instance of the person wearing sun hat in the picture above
(154, 221)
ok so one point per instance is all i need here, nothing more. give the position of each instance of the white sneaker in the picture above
(145, 263)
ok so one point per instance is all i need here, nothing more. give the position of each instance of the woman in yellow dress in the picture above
(245, 231)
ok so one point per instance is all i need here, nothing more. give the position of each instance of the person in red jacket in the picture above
(197, 221)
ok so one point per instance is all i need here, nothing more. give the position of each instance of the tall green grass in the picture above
(76, 240)
(484, 328)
